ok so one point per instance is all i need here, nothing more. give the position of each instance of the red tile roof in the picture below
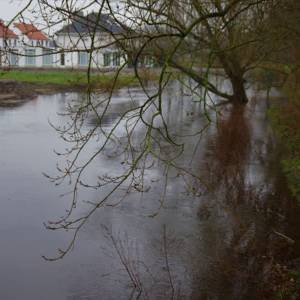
(5, 32)
(31, 31)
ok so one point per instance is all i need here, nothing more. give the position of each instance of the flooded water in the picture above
(179, 239)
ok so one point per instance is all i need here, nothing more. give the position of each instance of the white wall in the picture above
(23, 44)
(68, 42)
(70, 45)
(7, 46)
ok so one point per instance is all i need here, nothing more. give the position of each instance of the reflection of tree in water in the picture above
(234, 233)
(231, 233)
(230, 151)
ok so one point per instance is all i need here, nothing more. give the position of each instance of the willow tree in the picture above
(190, 35)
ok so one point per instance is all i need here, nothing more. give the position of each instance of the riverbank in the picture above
(285, 119)
(17, 86)
(13, 93)
(68, 79)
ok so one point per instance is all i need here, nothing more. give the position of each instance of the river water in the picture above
(206, 241)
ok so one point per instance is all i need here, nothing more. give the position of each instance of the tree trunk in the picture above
(238, 88)
(235, 74)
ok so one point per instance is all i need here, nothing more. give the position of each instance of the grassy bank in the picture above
(68, 78)
(286, 121)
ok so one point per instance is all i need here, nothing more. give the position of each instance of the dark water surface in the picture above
(205, 243)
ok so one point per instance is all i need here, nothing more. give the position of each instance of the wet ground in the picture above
(14, 93)
(180, 239)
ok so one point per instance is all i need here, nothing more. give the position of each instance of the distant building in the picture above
(35, 48)
(9, 46)
(90, 38)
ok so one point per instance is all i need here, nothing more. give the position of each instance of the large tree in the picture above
(190, 35)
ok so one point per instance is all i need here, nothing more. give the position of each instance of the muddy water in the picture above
(207, 241)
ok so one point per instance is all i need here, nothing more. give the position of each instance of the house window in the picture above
(149, 61)
(116, 59)
(30, 58)
(83, 58)
(47, 57)
(106, 59)
(13, 58)
(62, 59)
(6, 43)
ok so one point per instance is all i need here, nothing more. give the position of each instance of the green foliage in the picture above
(286, 128)
(291, 168)
(291, 289)
(286, 121)
(296, 276)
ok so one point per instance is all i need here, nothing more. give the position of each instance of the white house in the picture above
(35, 47)
(9, 46)
(83, 39)
(89, 38)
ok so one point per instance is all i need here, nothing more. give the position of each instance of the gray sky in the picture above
(8, 8)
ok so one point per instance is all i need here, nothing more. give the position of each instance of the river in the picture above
(207, 241)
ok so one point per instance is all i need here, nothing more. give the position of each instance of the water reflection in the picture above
(237, 219)
(207, 240)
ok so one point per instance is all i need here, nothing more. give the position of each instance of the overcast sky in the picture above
(8, 8)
